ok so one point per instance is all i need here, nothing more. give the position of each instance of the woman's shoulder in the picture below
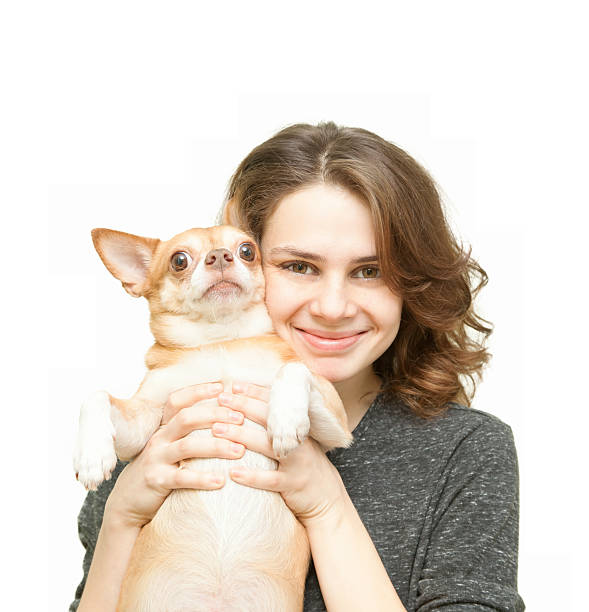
(457, 417)
(458, 429)
(479, 436)
(453, 418)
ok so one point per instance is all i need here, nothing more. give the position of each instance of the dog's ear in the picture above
(230, 214)
(127, 257)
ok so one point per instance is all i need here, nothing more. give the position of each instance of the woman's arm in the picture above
(350, 572)
(349, 569)
(109, 564)
(144, 484)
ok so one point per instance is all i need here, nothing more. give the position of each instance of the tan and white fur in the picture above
(234, 548)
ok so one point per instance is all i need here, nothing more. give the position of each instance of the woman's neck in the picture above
(357, 393)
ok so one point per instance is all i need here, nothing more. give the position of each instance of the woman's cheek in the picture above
(282, 300)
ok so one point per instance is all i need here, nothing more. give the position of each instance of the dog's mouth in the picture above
(223, 289)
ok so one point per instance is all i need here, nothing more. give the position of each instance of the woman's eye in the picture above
(247, 251)
(180, 261)
(367, 272)
(299, 267)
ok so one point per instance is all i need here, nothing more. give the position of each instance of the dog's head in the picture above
(203, 275)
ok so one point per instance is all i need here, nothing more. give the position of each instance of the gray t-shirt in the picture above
(439, 498)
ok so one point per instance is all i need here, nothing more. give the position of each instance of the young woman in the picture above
(367, 283)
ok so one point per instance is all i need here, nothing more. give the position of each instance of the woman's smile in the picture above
(329, 341)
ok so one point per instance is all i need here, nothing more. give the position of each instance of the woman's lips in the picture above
(329, 341)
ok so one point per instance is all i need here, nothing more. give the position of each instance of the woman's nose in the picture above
(332, 301)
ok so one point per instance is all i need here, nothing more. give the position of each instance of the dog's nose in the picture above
(219, 259)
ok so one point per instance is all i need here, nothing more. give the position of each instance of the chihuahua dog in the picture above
(236, 548)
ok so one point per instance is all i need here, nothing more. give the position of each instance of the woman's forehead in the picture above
(320, 217)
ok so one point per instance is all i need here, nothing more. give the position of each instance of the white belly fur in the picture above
(222, 542)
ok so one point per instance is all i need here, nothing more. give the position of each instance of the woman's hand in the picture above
(145, 483)
(308, 482)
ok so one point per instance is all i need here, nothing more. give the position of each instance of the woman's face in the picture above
(324, 291)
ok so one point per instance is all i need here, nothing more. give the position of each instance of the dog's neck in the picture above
(178, 331)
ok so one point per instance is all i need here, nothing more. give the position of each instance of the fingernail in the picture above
(219, 428)
(216, 479)
(235, 417)
(238, 387)
(215, 387)
(237, 473)
(225, 398)
(236, 448)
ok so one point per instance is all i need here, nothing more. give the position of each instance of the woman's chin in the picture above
(330, 368)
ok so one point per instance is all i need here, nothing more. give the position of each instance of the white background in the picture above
(133, 116)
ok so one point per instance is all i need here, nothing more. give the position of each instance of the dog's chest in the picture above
(251, 364)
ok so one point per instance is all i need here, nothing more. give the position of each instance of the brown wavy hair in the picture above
(439, 353)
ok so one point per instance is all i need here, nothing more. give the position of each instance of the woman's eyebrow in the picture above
(299, 254)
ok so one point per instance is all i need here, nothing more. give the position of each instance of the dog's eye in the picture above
(180, 261)
(247, 251)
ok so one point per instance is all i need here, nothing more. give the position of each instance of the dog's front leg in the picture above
(329, 422)
(111, 427)
(301, 404)
(288, 415)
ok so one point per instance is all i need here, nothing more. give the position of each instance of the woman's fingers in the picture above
(191, 447)
(253, 439)
(252, 402)
(198, 417)
(270, 480)
(182, 478)
(188, 396)
(258, 392)
(191, 479)
(186, 412)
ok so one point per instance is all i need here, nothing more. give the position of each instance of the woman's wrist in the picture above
(114, 519)
(331, 514)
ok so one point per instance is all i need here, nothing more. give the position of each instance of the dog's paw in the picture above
(287, 430)
(93, 468)
(288, 416)
(94, 455)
